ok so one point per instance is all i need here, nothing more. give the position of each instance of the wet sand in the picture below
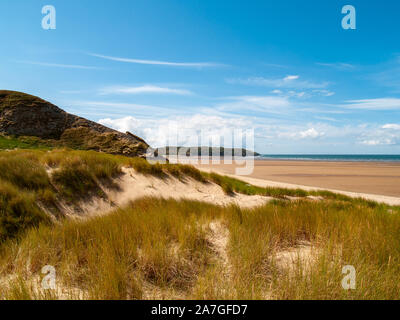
(380, 178)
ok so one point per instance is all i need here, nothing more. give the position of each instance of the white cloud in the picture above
(291, 81)
(325, 118)
(111, 108)
(160, 63)
(264, 101)
(325, 93)
(391, 126)
(292, 132)
(58, 65)
(304, 94)
(269, 104)
(311, 133)
(378, 142)
(296, 94)
(323, 132)
(374, 104)
(146, 89)
(366, 137)
(183, 131)
(388, 134)
(337, 65)
(289, 78)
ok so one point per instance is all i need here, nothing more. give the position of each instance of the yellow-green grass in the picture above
(43, 178)
(10, 143)
(166, 245)
(231, 185)
(28, 187)
(40, 179)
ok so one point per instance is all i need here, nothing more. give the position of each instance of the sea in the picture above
(334, 157)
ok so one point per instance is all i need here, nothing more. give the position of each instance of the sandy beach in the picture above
(378, 178)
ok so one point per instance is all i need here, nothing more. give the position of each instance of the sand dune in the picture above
(133, 185)
(346, 178)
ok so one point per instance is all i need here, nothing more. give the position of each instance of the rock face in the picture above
(26, 115)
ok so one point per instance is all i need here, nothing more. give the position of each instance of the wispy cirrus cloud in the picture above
(323, 92)
(337, 65)
(159, 63)
(112, 108)
(145, 89)
(304, 94)
(275, 65)
(59, 65)
(386, 74)
(373, 104)
(264, 104)
(289, 81)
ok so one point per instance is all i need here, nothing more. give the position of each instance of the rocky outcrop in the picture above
(26, 115)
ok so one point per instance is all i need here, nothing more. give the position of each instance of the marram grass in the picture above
(157, 248)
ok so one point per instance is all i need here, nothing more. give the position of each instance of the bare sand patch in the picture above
(303, 255)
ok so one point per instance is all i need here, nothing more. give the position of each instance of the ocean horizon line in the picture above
(334, 157)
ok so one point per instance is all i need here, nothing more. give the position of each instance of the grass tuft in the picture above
(155, 247)
(23, 170)
(18, 211)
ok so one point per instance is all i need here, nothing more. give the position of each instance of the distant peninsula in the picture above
(205, 151)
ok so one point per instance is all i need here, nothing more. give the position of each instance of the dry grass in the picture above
(83, 138)
(18, 211)
(43, 179)
(166, 248)
(167, 244)
(151, 241)
(26, 187)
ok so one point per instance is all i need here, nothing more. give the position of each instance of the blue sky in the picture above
(285, 68)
